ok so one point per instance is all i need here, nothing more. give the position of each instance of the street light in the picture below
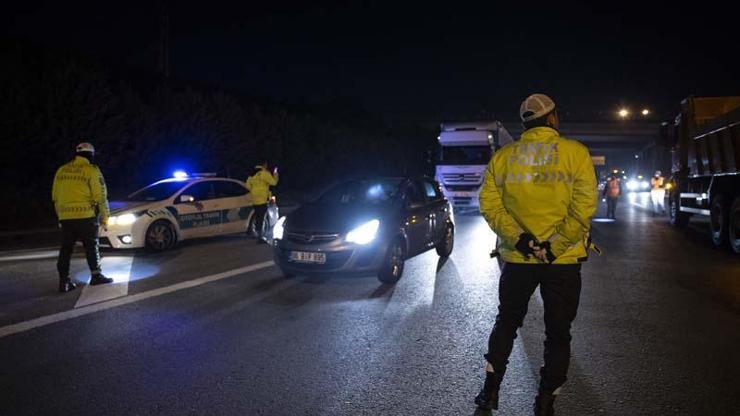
(645, 112)
(624, 113)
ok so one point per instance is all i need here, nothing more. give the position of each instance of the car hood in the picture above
(335, 219)
(123, 207)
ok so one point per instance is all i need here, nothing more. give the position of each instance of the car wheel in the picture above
(718, 220)
(392, 267)
(444, 246)
(678, 218)
(160, 236)
(734, 225)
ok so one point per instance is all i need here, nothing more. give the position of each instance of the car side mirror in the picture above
(186, 198)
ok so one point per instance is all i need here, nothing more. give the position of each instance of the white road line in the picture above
(86, 310)
(32, 256)
(116, 267)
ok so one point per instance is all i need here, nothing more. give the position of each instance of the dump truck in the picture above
(705, 172)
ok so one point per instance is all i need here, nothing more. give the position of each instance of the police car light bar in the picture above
(179, 174)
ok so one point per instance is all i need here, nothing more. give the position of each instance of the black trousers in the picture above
(611, 206)
(560, 287)
(85, 230)
(259, 219)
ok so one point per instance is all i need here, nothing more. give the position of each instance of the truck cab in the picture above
(463, 154)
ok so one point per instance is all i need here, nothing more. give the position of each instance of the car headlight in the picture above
(644, 185)
(365, 233)
(279, 229)
(632, 185)
(125, 219)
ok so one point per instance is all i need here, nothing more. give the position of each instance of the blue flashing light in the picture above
(179, 174)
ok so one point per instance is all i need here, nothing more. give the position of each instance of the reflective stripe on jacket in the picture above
(259, 185)
(543, 184)
(79, 191)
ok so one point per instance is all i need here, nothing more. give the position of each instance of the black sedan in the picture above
(365, 226)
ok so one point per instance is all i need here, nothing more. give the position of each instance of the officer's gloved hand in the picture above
(527, 244)
(544, 252)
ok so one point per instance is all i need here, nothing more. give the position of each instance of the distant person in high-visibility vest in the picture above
(657, 193)
(259, 186)
(81, 203)
(612, 191)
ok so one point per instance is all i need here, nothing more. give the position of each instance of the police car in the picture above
(180, 208)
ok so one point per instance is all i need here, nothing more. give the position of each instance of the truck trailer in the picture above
(705, 172)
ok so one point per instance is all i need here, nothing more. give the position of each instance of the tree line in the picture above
(144, 127)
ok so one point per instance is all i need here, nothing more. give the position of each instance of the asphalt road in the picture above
(212, 329)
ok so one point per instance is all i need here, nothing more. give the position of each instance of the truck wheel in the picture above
(718, 220)
(678, 218)
(734, 225)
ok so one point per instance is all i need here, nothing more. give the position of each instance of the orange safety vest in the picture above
(612, 187)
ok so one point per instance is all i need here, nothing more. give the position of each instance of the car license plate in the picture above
(307, 257)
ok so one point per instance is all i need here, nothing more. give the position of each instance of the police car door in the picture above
(235, 205)
(198, 211)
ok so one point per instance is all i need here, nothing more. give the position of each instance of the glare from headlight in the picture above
(632, 185)
(365, 233)
(278, 229)
(644, 185)
(125, 219)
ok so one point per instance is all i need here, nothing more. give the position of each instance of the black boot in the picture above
(487, 399)
(66, 285)
(543, 404)
(99, 279)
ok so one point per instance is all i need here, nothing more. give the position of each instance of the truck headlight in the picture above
(365, 233)
(125, 219)
(279, 229)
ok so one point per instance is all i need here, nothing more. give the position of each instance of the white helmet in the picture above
(85, 147)
(658, 173)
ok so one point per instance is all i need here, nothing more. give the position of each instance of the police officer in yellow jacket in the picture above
(80, 199)
(259, 186)
(539, 194)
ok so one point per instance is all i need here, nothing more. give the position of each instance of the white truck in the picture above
(464, 152)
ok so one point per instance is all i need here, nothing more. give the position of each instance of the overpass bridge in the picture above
(626, 145)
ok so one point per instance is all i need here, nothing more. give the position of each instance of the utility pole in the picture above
(163, 66)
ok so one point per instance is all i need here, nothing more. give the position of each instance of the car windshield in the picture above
(376, 192)
(465, 155)
(157, 191)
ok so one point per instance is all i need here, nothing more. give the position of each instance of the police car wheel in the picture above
(160, 236)
(718, 221)
(445, 245)
(392, 267)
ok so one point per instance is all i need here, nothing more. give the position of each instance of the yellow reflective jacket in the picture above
(543, 184)
(79, 191)
(259, 185)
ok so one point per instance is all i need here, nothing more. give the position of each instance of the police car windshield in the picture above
(157, 191)
(464, 155)
(378, 192)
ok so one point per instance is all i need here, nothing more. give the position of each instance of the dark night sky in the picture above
(425, 59)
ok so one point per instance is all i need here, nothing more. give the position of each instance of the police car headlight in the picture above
(365, 233)
(279, 229)
(125, 219)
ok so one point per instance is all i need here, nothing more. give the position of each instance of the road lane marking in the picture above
(32, 256)
(86, 310)
(117, 268)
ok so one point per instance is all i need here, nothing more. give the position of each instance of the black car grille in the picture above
(308, 237)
